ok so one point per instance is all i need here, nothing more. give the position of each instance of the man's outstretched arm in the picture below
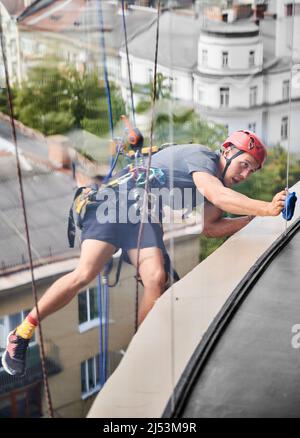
(216, 226)
(233, 202)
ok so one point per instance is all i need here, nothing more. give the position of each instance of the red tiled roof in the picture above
(58, 16)
(14, 7)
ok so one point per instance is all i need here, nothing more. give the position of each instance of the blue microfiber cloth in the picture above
(290, 202)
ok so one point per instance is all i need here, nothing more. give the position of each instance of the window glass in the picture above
(91, 374)
(83, 378)
(97, 358)
(14, 320)
(82, 307)
(94, 312)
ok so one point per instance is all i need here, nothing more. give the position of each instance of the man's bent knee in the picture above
(83, 277)
(155, 279)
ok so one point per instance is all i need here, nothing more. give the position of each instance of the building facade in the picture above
(240, 74)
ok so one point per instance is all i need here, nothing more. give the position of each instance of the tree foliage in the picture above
(56, 100)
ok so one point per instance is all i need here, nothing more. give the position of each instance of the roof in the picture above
(239, 28)
(178, 41)
(13, 7)
(80, 20)
(30, 144)
(52, 15)
(48, 196)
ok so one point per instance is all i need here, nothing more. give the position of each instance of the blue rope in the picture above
(106, 303)
(103, 281)
(101, 344)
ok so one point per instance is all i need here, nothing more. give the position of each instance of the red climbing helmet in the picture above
(248, 142)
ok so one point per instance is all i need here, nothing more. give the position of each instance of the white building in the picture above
(237, 74)
(9, 11)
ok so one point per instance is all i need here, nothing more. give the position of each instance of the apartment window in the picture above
(251, 58)
(204, 57)
(289, 9)
(224, 96)
(88, 312)
(252, 126)
(284, 128)
(225, 59)
(90, 378)
(285, 90)
(8, 323)
(253, 96)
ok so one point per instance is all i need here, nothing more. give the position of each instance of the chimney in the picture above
(59, 151)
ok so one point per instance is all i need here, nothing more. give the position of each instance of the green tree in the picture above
(4, 108)
(56, 100)
(272, 178)
(43, 101)
(163, 90)
(188, 127)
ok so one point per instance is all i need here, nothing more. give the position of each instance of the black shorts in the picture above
(121, 235)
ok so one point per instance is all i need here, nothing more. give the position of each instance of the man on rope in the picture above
(194, 166)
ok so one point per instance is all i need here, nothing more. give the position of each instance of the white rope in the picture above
(172, 248)
(290, 108)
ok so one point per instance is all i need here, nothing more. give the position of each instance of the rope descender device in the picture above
(135, 137)
(289, 208)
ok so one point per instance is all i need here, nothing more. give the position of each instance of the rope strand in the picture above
(23, 204)
(103, 279)
(128, 64)
(144, 209)
(290, 108)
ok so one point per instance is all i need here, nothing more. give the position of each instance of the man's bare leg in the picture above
(94, 255)
(153, 275)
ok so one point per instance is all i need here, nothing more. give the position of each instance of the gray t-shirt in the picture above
(178, 163)
(186, 159)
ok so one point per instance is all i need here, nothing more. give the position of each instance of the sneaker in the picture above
(14, 357)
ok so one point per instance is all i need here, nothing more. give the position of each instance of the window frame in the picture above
(90, 323)
(252, 125)
(224, 95)
(225, 57)
(286, 89)
(253, 91)
(97, 386)
(284, 128)
(252, 58)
